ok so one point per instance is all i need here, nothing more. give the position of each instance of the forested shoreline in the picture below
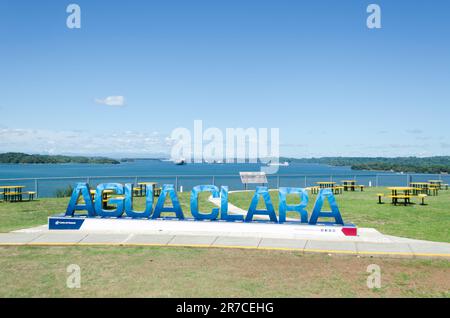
(23, 158)
(438, 164)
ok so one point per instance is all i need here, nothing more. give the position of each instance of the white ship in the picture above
(281, 164)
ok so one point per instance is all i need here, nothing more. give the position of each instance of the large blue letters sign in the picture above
(129, 202)
(123, 202)
(270, 211)
(117, 188)
(300, 208)
(168, 190)
(194, 202)
(317, 210)
(81, 189)
(224, 207)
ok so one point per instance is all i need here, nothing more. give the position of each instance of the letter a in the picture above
(317, 210)
(74, 19)
(374, 20)
(81, 189)
(270, 211)
(168, 190)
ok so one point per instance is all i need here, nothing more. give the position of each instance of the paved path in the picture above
(402, 248)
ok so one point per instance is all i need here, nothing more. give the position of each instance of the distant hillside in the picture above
(17, 157)
(399, 164)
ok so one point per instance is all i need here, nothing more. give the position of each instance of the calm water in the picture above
(156, 168)
(165, 172)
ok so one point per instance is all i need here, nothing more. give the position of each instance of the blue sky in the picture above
(310, 68)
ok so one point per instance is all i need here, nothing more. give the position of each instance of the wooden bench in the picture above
(380, 195)
(422, 197)
(417, 191)
(31, 195)
(353, 187)
(12, 196)
(406, 199)
(433, 191)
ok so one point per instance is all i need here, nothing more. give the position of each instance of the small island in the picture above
(23, 158)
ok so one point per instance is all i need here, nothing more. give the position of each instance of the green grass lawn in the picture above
(19, 215)
(196, 272)
(428, 222)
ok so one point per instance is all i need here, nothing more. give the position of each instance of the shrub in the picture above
(64, 192)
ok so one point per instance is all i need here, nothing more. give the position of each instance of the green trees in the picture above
(438, 164)
(18, 157)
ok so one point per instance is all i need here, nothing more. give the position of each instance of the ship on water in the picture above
(281, 164)
(180, 162)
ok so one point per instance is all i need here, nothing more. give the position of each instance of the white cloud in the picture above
(415, 131)
(83, 143)
(117, 101)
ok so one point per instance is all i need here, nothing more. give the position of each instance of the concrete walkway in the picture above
(401, 248)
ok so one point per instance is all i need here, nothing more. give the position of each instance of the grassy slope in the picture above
(14, 216)
(195, 272)
(429, 222)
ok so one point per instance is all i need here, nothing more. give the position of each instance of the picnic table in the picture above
(326, 184)
(419, 187)
(143, 187)
(436, 183)
(401, 194)
(12, 193)
(105, 197)
(433, 189)
(349, 185)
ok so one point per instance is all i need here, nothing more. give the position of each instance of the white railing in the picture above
(48, 186)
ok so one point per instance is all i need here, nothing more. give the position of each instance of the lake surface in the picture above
(186, 176)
